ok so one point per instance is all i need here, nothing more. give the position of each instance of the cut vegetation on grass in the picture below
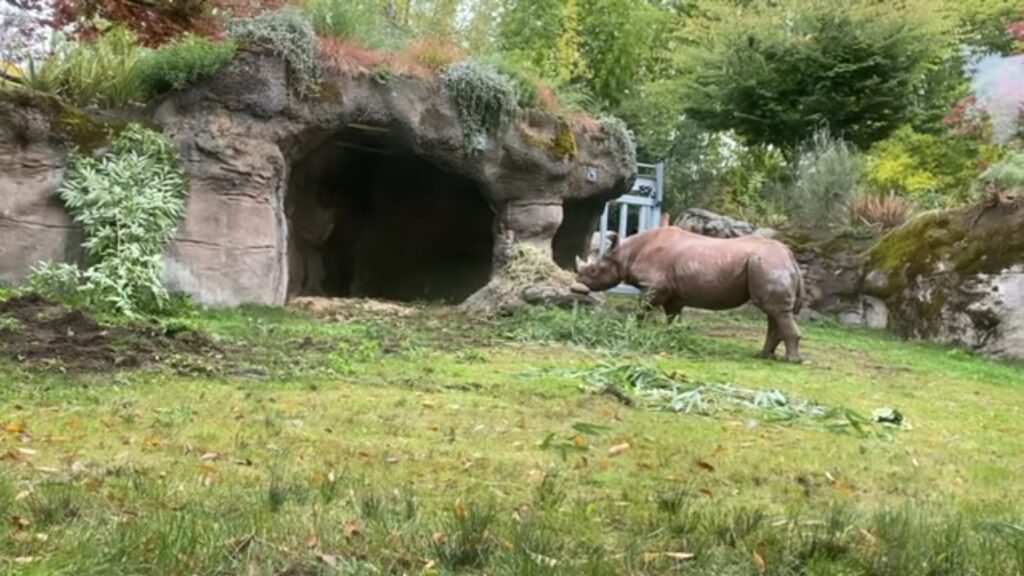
(356, 439)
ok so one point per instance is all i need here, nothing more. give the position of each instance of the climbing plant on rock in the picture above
(485, 100)
(288, 34)
(128, 204)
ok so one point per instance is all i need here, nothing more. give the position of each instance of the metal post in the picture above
(603, 231)
(623, 220)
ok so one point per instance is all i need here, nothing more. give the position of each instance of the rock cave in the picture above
(368, 218)
(372, 188)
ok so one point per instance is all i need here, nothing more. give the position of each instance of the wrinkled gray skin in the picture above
(676, 269)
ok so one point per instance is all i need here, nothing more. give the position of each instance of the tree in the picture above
(776, 71)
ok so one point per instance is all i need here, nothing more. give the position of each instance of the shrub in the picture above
(884, 211)
(1005, 176)
(935, 169)
(127, 204)
(825, 176)
(359, 21)
(433, 54)
(619, 137)
(485, 100)
(186, 61)
(101, 72)
(288, 34)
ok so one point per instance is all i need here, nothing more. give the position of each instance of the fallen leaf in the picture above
(705, 466)
(579, 441)
(209, 456)
(352, 528)
(24, 559)
(312, 541)
(152, 441)
(603, 464)
(438, 538)
(42, 537)
(392, 459)
(759, 562)
(26, 451)
(15, 427)
(618, 449)
(460, 511)
(331, 561)
(680, 555)
(707, 492)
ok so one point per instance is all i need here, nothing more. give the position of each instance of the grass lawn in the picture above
(385, 440)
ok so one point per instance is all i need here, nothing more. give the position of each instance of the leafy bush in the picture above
(101, 72)
(186, 61)
(127, 204)
(619, 137)
(485, 100)
(826, 175)
(288, 34)
(934, 169)
(1006, 175)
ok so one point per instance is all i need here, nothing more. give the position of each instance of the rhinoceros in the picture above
(675, 268)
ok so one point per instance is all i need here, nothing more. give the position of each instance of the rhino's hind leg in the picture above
(791, 336)
(772, 339)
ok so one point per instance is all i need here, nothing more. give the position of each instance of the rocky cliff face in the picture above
(955, 277)
(367, 189)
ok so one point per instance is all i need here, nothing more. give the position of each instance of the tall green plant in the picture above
(101, 72)
(128, 204)
(826, 176)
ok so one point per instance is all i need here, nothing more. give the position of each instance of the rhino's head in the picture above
(601, 273)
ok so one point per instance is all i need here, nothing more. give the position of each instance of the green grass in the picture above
(434, 444)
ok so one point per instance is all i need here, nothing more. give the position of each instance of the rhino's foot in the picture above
(766, 355)
(794, 360)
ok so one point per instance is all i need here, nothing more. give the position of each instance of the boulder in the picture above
(955, 277)
(716, 225)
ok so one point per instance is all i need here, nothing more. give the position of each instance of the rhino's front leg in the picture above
(650, 299)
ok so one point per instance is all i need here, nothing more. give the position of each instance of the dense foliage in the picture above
(181, 63)
(775, 71)
(128, 203)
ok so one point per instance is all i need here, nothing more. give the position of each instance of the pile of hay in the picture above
(528, 277)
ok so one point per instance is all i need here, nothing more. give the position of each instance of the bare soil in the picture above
(36, 331)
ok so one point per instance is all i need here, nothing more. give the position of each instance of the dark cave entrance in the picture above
(367, 218)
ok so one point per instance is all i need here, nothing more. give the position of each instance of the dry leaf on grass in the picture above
(619, 449)
(759, 562)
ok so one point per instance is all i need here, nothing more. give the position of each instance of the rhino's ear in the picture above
(613, 241)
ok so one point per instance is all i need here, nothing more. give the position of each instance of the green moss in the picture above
(81, 130)
(561, 147)
(914, 248)
(73, 126)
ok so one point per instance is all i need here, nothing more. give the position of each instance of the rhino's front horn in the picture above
(580, 263)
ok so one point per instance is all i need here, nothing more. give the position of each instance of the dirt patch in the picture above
(35, 331)
(347, 308)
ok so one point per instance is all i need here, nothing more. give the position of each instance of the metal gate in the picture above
(637, 211)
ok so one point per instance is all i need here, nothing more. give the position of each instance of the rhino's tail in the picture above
(800, 295)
